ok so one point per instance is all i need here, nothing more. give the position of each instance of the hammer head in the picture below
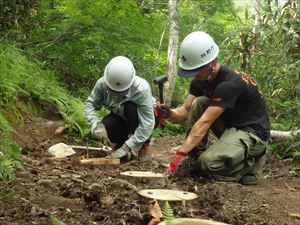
(160, 79)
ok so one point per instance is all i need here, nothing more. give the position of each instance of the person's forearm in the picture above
(195, 136)
(201, 127)
(178, 115)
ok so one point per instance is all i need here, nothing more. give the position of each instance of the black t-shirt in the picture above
(237, 92)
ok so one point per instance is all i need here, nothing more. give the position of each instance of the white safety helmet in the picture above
(196, 50)
(119, 73)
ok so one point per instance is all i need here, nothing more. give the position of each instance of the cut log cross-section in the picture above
(137, 176)
(168, 195)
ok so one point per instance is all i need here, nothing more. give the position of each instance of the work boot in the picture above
(248, 179)
(256, 174)
(144, 154)
(113, 146)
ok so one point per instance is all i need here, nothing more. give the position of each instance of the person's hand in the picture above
(165, 110)
(100, 133)
(122, 152)
(176, 160)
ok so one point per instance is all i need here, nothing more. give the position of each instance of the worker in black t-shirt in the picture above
(227, 102)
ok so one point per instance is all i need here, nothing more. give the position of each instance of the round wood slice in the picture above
(167, 195)
(193, 221)
(143, 174)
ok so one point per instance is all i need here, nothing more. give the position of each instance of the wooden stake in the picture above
(100, 161)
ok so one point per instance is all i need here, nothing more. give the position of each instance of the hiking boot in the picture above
(255, 175)
(144, 154)
(113, 146)
(248, 179)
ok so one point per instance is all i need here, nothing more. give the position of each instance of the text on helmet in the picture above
(207, 52)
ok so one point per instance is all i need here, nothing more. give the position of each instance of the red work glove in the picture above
(177, 158)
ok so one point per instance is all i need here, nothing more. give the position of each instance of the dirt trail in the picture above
(85, 195)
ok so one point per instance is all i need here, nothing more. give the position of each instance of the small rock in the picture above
(94, 186)
(120, 183)
(44, 181)
(55, 171)
(292, 173)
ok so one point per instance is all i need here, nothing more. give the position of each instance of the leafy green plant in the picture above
(77, 38)
(25, 84)
(56, 221)
(15, 17)
(14, 193)
(24, 79)
(7, 196)
(9, 154)
(7, 168)
(270, 57)
(170, 128)
(288, 149)
(168, 213)
(4, 124)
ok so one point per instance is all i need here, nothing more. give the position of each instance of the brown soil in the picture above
(78, 194)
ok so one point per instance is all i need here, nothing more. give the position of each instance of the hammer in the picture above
(160, 80)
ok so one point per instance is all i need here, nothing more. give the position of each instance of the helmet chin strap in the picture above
(212, 71)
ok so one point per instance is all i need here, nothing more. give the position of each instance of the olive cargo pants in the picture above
(234, 153)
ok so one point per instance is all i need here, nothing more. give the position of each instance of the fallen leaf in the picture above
(155, 210)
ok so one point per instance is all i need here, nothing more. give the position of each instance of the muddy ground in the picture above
(80, 194)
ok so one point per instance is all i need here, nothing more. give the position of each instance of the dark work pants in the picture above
(235, 151)
(118, 129)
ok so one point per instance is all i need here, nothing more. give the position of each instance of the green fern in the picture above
(9, 159)
(56, 221)
(4, 124)
(168, 213)
(7, 169)
(9, 149)
(22, 78)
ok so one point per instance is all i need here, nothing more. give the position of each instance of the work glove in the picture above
(101, 134)
(165, 110)
(124, 152)
(176, 160)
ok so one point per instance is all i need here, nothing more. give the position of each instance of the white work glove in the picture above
(123, 152)
(101, 134)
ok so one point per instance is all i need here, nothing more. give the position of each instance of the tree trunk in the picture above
(172, 52)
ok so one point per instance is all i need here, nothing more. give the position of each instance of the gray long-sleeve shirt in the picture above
(139, 93)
